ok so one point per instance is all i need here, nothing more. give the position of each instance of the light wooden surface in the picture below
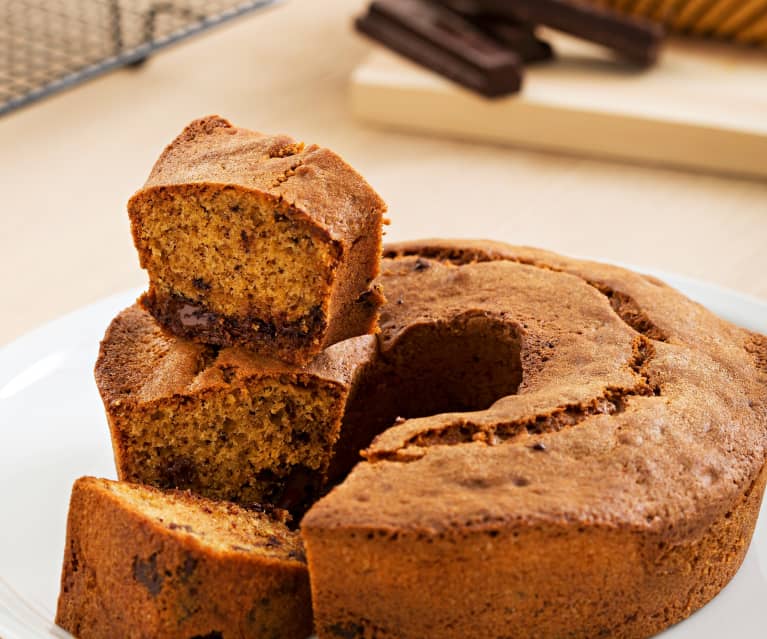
(703, 106)
(69, 164)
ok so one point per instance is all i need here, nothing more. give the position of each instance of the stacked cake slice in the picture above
(226, 381)
(140, 562)
(258, 241)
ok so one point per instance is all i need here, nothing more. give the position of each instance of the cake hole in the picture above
(446, 367)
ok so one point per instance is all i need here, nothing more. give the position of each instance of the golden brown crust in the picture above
(552, 580)
(212, 151)
(631, 454)
(127, 574)
(312, 186)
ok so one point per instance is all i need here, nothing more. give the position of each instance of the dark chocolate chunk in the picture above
(421, 264)
(345, 630)
(200, 284)
(208, 355)
(519, 37)
(191, 315)
(540, 446)
(443, 41)
(273, 542)
(370, 298)
(268, 509)
(228, 373)
(180, 472)
(188, 567)
(175, 526)
(464, 7)
(74, 561)
(145, 572)
(297, 555)
(632, 38)
(186, 318)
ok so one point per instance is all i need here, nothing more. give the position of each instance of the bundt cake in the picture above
(143, 563)
(257, 241)
(604, 480)
(552, 447)
(223, 422)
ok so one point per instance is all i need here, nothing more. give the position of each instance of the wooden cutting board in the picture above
(703, 107)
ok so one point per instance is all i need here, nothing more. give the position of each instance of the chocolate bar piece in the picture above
(443, 41)
(518, 37)
(630, 37)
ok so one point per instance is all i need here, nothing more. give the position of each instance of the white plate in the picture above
(53, 430)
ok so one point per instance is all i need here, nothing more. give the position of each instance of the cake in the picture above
(606, 483)
(140, 562)
(552, 447)
(223, 422)
(258, 241)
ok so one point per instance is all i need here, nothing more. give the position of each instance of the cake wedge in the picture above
(141, 562)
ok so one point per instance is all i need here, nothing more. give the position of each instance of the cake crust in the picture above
(228, 172)
(612, 494)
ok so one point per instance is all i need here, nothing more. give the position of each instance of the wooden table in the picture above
(69, 164)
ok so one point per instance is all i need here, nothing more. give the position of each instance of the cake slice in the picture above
(225, 423)
(140, 562)
(258, 241)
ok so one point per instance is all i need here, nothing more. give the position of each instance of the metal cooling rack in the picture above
(49, 45)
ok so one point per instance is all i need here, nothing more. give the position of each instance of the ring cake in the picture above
(553, 447)
(608, 487)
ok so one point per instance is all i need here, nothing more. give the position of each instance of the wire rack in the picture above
(48, 45)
